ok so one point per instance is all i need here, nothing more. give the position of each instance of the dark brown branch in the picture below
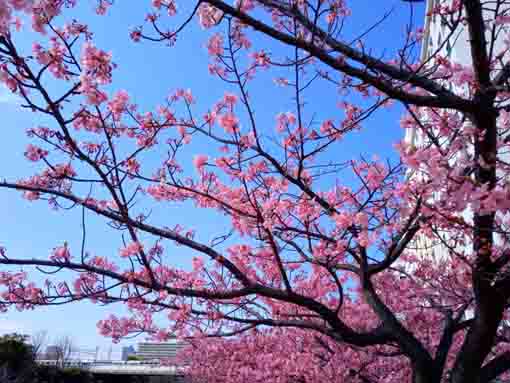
(444, 99)
(495, 367)
(477, 41)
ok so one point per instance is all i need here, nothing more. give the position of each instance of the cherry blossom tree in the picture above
(317, 279)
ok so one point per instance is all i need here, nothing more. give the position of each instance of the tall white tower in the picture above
(446, 35)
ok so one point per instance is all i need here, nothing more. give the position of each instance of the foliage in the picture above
(74, 375)
(55, 374)
(16, 358)
(400, 275)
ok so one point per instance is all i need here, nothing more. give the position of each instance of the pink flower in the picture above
(343, 220)
(198, 263)
(90, 90)
(210, 118)
(5, 17)
(261, 59)
(8, 80)
(361, 219)
(136, 35)
(133, 166)
(102, 7)
(119, 103)
(97, 62)
(229, 122)
(375, 177)
(200, 161)
(502, 19)
(61, 254)
(215, 45)
(208, 15)
(132, 248)
(230, 99)
(34, 153)
(184, 94)
(327, 127)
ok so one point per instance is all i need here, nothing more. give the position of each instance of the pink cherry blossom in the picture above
(208, 15)
(229, 122)
(34, 153)
(131, 249)
(305, 257)
(199, 161)
(215, 45)
(61, 254)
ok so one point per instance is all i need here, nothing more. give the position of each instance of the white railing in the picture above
(144, 367)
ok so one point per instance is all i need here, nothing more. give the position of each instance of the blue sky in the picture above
(150, 72)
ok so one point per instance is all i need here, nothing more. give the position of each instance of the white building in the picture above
(446, 36)
(443, 36)
(156, 350)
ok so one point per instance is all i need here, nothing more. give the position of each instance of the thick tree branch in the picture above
(495, 368)
(477, 41)
(444, 98)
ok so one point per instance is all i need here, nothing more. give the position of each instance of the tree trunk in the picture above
(489, 303)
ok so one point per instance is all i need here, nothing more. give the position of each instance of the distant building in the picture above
(440, 40)
(155, 350)
(52, 353)
(126, 352)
